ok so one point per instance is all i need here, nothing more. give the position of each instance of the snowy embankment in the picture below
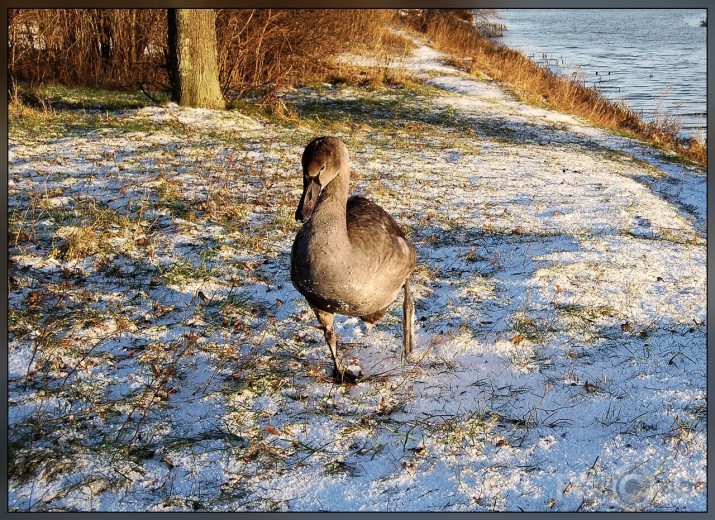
(164, 362)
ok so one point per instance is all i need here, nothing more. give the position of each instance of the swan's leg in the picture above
(331, 338)
(407, 318)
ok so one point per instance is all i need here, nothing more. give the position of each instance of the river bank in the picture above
(536, 84)
(159, 358)
(652, 59)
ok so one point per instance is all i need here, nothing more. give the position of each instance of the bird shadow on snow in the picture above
(482, 323)
(468, 284)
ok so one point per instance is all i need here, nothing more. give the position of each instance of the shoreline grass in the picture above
(535, 84)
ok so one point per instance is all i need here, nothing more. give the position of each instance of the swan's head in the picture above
(323, 159)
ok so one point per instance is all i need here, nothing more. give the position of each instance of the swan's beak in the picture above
(307, 202)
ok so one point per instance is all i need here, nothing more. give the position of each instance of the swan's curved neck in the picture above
(330, 210)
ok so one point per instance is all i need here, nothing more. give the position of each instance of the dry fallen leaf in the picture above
(272, 430)
(590, 387)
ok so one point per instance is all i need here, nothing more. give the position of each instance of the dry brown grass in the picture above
(109, 47)
(267, 49)
(259, 50)
(540, 86)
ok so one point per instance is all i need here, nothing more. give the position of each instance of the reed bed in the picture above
(259, 50)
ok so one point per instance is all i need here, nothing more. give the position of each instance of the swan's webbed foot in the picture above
(349, 375)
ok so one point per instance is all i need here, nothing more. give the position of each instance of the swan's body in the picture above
(350, 257)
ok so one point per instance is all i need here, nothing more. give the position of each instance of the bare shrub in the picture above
(97, 47)
(271, 48)
(259, 49)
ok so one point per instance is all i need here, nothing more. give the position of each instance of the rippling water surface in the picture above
(653, 59)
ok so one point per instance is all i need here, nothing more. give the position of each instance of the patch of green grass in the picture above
(534, 329)
(88, 98)
(237, 309)
(27, 122)
(31, 122)
(587, 313)
(182, 272)
(81, 229)
(476, 429)
(171, 196)
(586, 322)
(58, 111)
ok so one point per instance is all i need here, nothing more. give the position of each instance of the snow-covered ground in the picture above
(165, 362)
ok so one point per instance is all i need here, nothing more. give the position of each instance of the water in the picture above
(653, 59)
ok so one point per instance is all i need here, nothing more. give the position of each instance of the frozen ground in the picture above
(159, 358)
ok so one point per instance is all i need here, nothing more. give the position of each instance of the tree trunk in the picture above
(193, 58)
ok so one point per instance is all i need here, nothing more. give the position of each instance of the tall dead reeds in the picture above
(125, 48)
(267, 48)
(93, 47)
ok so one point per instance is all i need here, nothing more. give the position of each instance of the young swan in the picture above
(349, 257)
